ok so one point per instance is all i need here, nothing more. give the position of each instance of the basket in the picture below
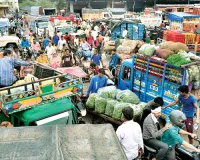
(42, 72)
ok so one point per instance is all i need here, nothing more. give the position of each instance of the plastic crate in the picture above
(189, 38)
(42, 72)
(198, 38)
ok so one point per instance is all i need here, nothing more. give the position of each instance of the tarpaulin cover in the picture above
(72, 142)
(4, 22)
(179, 16)
(76, 71)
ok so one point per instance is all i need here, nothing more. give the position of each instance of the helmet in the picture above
(177, 118)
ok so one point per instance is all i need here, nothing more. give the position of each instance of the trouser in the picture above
(171, 154)
(161, 148)
(189, 125)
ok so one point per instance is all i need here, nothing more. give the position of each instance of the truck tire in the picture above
(11, 45)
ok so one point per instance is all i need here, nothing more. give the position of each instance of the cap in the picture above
(102, 71)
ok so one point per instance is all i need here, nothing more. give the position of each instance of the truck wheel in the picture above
(11, 45)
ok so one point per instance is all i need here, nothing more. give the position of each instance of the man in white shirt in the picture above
(61, 42)
(130, 135)
(124, 33)
(49, 50)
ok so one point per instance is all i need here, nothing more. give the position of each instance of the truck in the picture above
(39, 24)
(48, 97)
(59, 142)
(149, 78)
(9, 41)
(4, 26)
(62, 27)
(37, 10)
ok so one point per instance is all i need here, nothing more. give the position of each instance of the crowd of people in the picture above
(55, 52)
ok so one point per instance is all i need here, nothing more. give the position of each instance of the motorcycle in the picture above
(182, 153)
(35, 54)
(26, 52)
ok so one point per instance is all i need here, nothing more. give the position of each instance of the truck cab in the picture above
(9, 41)
(50, 99)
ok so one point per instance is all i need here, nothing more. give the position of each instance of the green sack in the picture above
(117, 113)
(110, 107)
(128, 96)
(100, 105)
(91, 101)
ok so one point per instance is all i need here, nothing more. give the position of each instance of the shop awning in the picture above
(179, 16)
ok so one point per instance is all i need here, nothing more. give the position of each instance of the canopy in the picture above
(78, 142)
(179, 16)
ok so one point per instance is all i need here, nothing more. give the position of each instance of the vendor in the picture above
(7, 64)
(97, 81)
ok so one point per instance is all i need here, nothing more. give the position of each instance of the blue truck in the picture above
(149, 78)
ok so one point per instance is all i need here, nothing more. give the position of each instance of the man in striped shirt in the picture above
(7, 64)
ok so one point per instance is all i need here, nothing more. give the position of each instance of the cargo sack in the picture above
(91, 101)
(100, 105)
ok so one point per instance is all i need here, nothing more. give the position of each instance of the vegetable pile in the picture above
(100, 105)
(91, 101)
(111, 101)
(108, 92)
(128, 97)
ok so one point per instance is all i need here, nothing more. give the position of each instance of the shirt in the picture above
(96, 59)
(6, 70)
(25, 43)
(67, 61)
(117, 43)
(49, 51)
(85, 46)
(114, 60)
(188, 105)
(90, 40)
(124, 33)
(172, 136)
(96, 83)
(130, 137)
(66, 37)
(46, 42)
(55, 39)
(42, 59)
(61, 42)
(55, 62)
(36, 46)
(76, 41)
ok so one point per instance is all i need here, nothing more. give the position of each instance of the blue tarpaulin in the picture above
(179, 16)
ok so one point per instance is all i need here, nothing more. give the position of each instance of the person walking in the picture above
(130, 135)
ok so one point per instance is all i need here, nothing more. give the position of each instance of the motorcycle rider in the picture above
(157, 102)
(25, 43)
(86, 50)
(172, 135)
(152, 133)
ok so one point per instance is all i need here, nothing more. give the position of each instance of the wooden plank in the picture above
(105, 117)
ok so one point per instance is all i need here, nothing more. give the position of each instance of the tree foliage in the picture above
(61, 4)
(41, 3)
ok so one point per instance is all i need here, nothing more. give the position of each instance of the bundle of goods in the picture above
(111, 101)
(128, 48)
(109, 46)
(174, 47)
(147, 50)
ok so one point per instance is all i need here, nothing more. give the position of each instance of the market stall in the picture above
(183, 21)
